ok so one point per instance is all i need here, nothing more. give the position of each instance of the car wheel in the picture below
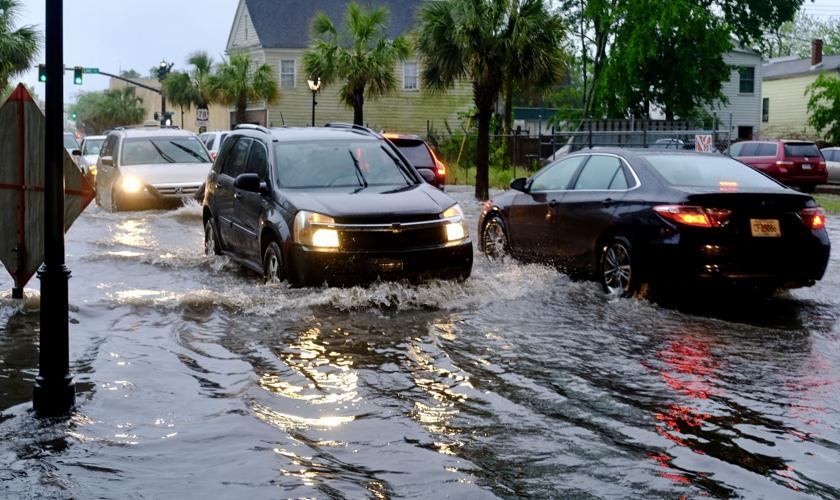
(211, 241)
(272, 263)
(494, 239)
(617, 275)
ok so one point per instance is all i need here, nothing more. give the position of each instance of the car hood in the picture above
(169, 173)
(373, 202)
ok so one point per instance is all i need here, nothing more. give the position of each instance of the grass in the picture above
(499, 177)
(830, 202)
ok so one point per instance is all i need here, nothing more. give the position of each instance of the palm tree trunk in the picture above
(508, 120)
(482, 154)
(358, 106)
(241, 106)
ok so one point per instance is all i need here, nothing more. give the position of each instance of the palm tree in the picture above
(485, 41)
(18, 48)
(236, 82)
(361, 56)
(178, 89)
(187, 89)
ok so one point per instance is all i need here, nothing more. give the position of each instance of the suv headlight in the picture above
(312, 229)
(131, 184)
(456, 226)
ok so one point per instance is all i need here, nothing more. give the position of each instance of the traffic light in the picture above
(42, 72)
(73, 115)
(77, 75)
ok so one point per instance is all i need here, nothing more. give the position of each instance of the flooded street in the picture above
(194, 379)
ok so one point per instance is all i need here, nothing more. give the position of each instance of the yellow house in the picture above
(785, 103)
(277, 33)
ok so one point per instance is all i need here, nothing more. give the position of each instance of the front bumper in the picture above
(307, 266)
(156, 196)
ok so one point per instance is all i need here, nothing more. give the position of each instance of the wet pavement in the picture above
(195, 380)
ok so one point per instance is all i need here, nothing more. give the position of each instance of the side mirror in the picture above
(107, 160)
(427, 175)
(248, 182)
(75, 152)
(520, 184)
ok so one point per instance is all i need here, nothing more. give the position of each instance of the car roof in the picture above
(632, 153)
(298, 134)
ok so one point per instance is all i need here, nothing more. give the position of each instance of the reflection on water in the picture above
(197, 380)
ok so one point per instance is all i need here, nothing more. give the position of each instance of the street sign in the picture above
(202, 117)
(22, 172)
(90, 70)
(703, 143)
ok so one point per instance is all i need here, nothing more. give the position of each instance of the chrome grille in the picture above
(177, 191)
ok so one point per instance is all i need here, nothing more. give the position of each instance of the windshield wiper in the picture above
(161, 153)
(189, 152)
(359, 174)
(399, 163)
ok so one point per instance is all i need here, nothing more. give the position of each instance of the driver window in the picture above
(557, 176)
(258, 161)
(235, 162)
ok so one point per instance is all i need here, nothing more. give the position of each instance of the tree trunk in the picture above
(482, 154)
(241, 106)
(508, 118)
(358, 107)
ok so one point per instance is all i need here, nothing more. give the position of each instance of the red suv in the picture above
(794, 163)
(421, 156)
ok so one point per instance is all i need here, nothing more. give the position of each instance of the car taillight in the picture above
(213, 155)
(439, 166)
(694, 216)
(813, 217)
(821, 165)
(783, 165)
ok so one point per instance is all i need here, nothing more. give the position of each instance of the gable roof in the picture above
(785, 68)
(287, 23)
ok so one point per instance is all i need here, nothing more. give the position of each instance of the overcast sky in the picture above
(136, 34)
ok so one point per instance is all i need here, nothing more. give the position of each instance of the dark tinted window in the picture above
(746, 83)
(746, 149)
(163, 150)
(237, 158)
(801, 149)
(717, 172)
(557, 176)
(338, 163)
(599, 173)
(831, 154)
(416, 152)
(258, 160)
(766, 149)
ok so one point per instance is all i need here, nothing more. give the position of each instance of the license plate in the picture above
(388, 265)
(765, 228)
(806, 166)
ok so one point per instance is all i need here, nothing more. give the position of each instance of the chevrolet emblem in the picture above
(396, 228)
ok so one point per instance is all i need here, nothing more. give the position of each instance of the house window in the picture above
(765, 109)
(747, 80)
(287, 73)
(410, 75)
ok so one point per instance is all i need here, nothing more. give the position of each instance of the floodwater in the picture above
(195, 380)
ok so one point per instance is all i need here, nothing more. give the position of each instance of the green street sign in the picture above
(91, 70)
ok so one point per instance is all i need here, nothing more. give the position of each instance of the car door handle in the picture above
(238, 196)
(218, 185)
(608, 202)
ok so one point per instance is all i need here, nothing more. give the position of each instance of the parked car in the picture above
(794, 163)
(213, 141)
(91, 145)
(660, 217)
(338, 204)
(149, 167)
(70, 142)
(421, 155)
(670, 143)
(832, 164)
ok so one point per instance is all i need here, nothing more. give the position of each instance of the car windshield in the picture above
(70, 142)
(163, 150)
(416, 152)
(801, 149)
(92, 146)
(708, 171)
(338, 163)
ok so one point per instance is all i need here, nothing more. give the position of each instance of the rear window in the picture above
(717, 172)
(416, 152)
(801, 149)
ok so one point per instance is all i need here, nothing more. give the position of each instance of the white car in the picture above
(149, 168)
(832, 163)
(90, 147)
(213, 141)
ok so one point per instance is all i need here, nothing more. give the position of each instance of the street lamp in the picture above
(162, 71)
(314, 86)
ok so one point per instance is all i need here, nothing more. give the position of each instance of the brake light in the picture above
(821, 165)
(813, 217)
(439, 166)
(784, 165)
(213, 155)
(694, 216)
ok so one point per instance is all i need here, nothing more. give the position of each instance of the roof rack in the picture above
(353, 126)
(251, 126)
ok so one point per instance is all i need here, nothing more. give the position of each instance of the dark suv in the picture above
(421, 156)
(338, 204)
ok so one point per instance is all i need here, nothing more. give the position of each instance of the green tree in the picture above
(793, 38)
(477, 40)
(100, 111)
(239, 80)
(129, 73)
(361, 56)
(192, 88)
(18, 47)
(824, 106)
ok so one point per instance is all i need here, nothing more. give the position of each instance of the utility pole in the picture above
(54, 392)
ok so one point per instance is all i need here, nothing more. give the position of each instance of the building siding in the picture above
(745, 108)
(243, 35)
(788, 115)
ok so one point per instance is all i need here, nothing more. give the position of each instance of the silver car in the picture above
(149, 168)
(832, 163)
(90, 147)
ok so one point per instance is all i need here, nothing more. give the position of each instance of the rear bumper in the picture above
(314, 267)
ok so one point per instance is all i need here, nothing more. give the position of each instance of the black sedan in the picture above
(339, 205)
(660, 217)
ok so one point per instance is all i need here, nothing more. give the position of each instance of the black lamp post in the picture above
(163, 70)
(314, 86)
(54, 393)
